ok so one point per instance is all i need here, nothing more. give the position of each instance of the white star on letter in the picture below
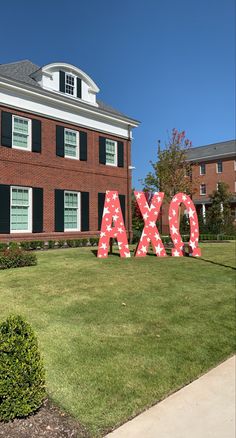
(191, 212)
(174, 230)
(143, 249)
(106, 211)
(158, 249)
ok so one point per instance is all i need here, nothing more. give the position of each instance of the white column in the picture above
(204, 212)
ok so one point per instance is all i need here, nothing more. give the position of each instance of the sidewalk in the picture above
(203, 409)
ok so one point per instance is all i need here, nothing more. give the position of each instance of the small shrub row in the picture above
(50, 244)
(16, 258)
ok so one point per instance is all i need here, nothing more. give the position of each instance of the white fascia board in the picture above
(212, 157)
(56, 107)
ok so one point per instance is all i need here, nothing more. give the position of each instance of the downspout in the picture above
(129, 186)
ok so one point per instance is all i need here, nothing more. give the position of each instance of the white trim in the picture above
(77, 144)
(202, 194)
(116, 153)
(60, 107)
(30, 210)
(70, 68)
(74, 86)
(29, 138)
(78, 211)
(200, 172)
(217, 166)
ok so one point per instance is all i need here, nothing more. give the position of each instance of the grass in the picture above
(119, 335)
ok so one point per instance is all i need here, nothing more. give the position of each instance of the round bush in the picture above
(22, 378)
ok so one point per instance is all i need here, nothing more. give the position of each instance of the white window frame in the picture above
(75, 84)
(78, 211)
(235, 165)
(29, 230)
(217, 166)
(29, 140)
(200, 170)
(116, 153)
(202, 194)
(77, 144)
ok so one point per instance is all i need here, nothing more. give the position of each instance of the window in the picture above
(71, 143)
(21, 209)
(202, 189)
(21, 133)
(111, 152)
(202, 169)
(219, 167)
(71, 211)
(234, 164)
(70, 84)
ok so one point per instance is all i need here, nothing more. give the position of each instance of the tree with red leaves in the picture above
(172, 172)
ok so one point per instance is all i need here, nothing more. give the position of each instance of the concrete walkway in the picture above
(203, 409)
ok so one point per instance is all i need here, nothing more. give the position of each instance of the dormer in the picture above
(68, 80)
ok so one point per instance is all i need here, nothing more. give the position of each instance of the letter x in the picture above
(150, 232)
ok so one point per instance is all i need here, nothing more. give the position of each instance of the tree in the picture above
(137, 218)
(218, 216)
(172, 172)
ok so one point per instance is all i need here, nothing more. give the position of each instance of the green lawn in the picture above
(119, 335)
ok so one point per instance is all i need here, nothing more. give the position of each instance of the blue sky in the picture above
(169, 64)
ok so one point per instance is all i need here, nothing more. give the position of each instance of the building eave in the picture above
(64, 100)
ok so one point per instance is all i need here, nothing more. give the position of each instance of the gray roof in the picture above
(211, 151)
(21, 71)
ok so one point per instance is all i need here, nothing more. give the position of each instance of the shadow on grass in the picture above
(215, 263)
(95, 253)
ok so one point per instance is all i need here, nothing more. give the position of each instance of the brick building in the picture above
(60, 150)
(214, 163)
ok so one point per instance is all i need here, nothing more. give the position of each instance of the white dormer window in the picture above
(70, 84)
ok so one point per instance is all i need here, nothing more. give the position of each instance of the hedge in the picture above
(22, 376)
(16, 258)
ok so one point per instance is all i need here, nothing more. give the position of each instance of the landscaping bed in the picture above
(48, 421)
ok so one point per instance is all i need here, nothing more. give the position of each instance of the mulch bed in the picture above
(48, 422)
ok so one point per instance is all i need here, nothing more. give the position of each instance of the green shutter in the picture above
(6, 129)
(102, 150)
(101, 201)
(79, 88)
(37, 210)
(62, 77)
(120, 154)
(122, 205)
(36, 135)
(59, 210)
(83, 146)
(84, 211)
(4, 209)
(60, 147)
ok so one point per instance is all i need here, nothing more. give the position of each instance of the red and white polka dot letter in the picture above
(150, 232)
(177, 251)
(112, 226)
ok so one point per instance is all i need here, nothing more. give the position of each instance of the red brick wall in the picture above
(49, 171)
(211, 178)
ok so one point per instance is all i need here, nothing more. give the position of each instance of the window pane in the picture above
(110, 152)
(70, 218)
(71, 200)
(20, 197)
(20, 125)
(20, 140)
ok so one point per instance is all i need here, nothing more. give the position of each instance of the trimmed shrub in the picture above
(13, 245)
(25, 245)
(94, 241)
(35, 244)
(16, 258)
(70, 243)
(61, 243)
(3, 246)
(51, 244)
(22, 377)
